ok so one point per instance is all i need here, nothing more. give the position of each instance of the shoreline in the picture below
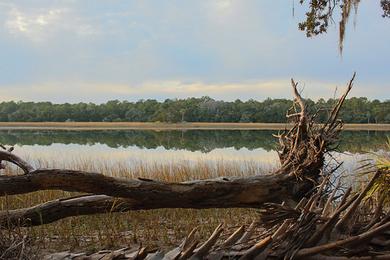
(84, 126)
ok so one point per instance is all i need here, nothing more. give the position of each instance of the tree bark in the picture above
(62, 208)
(242, 192)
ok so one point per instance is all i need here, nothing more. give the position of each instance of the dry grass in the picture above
(163, 227)
(15, 244)
(171, 126)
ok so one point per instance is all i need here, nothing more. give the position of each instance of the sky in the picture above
(95, 51)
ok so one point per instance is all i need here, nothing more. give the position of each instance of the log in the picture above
(238, 192)
(62, 208)
(290, 237)
(6, 155)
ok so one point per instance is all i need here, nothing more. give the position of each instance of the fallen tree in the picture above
(62, 208)
(302, 151)
(317, 228)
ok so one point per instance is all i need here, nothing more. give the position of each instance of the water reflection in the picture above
(191, 140)
(133, 157)
(248, 148)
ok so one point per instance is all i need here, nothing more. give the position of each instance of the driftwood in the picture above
(283, 232)
(61, 208)
(149, 194)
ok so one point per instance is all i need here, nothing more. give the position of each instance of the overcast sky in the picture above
(94, 51)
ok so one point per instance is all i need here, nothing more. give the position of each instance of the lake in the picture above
(132, 148)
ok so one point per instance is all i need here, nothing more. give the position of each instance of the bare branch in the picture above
(12, 158)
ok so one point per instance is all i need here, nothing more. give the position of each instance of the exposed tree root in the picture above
(288, 236)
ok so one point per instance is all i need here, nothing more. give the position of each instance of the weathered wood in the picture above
(149, 194)
(257, 249)
(290, 237)
(348, 241)
(204, 249)
(62, 208)
(6, 155)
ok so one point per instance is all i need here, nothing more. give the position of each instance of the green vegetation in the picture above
(382, 165)
(205, 109)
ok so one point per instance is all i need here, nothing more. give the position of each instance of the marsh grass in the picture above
(163, 227)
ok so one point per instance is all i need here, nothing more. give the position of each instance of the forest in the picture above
(204, 109)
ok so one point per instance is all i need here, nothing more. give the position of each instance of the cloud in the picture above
(64, 50)
(33, 25)
(61, 92)
(223, 4)
(156, 157)
(38, 24)
(223, 7)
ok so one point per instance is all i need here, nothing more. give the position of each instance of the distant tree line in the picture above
(204, 109)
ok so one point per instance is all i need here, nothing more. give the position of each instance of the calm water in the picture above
(132, 147)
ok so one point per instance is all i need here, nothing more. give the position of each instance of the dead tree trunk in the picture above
(149, 194)
(307, 231)
(302, 151)
(62, 208)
